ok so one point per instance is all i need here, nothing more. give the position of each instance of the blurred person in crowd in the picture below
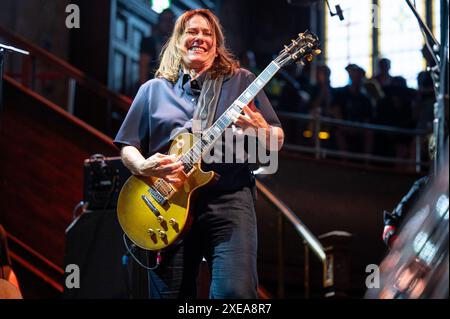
(293, 98)
(352, 104)
(395, 109)
(424, 104)
(383, 76)
(151, 47)
(322, 95)
(423, 107)
(247, 60)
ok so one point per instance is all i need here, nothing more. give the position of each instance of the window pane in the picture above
(119, 71)
(437, 19)
(121, 28)
(349, 41)
(401, 40)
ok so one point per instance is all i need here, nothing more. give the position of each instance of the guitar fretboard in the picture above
(212, 134)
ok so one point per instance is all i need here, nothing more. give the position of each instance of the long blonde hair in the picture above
(224, 64)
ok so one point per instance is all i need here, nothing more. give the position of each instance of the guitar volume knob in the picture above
(162, 234)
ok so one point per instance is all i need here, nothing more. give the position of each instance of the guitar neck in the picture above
(244, 99)
(212, 134)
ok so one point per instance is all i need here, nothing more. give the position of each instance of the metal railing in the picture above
(310, 241)
(320, 152)
(35, 263)
(67, 76)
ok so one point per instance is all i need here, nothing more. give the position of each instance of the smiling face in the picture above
(198, 44)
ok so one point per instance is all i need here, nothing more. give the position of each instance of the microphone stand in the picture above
(338, 12)
(3, 50)
(438, 75)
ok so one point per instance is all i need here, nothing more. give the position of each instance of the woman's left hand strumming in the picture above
(252, 119)
(254, 124)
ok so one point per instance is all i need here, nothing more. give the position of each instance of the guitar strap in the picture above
(207, 104)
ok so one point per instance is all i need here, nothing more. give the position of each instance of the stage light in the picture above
(324, 135)
(160, 5)
(307, 134)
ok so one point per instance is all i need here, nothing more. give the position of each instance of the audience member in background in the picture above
(295, 99)
(424, 105)
(395, 109)
(247, 60)
(352, 104)
(322, 95)
(151, 47)
(383, 76)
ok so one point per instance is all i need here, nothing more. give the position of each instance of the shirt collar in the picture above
(191, 85)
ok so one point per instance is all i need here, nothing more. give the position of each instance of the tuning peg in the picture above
(301, 35)
(317, 52)
(294, 42)
(309, 57)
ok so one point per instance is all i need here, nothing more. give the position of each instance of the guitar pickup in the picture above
(150, 205)
(161, 200)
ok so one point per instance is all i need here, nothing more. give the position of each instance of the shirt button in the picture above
(193, 100)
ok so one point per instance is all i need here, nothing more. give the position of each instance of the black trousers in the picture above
(224, 232)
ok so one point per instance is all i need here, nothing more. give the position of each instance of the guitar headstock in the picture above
(304, 48)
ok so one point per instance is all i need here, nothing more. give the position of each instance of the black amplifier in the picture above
(103, 180)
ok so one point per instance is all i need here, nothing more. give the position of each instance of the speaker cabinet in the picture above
(94, 244)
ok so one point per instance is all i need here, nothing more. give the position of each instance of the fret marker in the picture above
(239, 103)
(234, 115)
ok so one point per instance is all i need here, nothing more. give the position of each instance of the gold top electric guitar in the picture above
(155, 214)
